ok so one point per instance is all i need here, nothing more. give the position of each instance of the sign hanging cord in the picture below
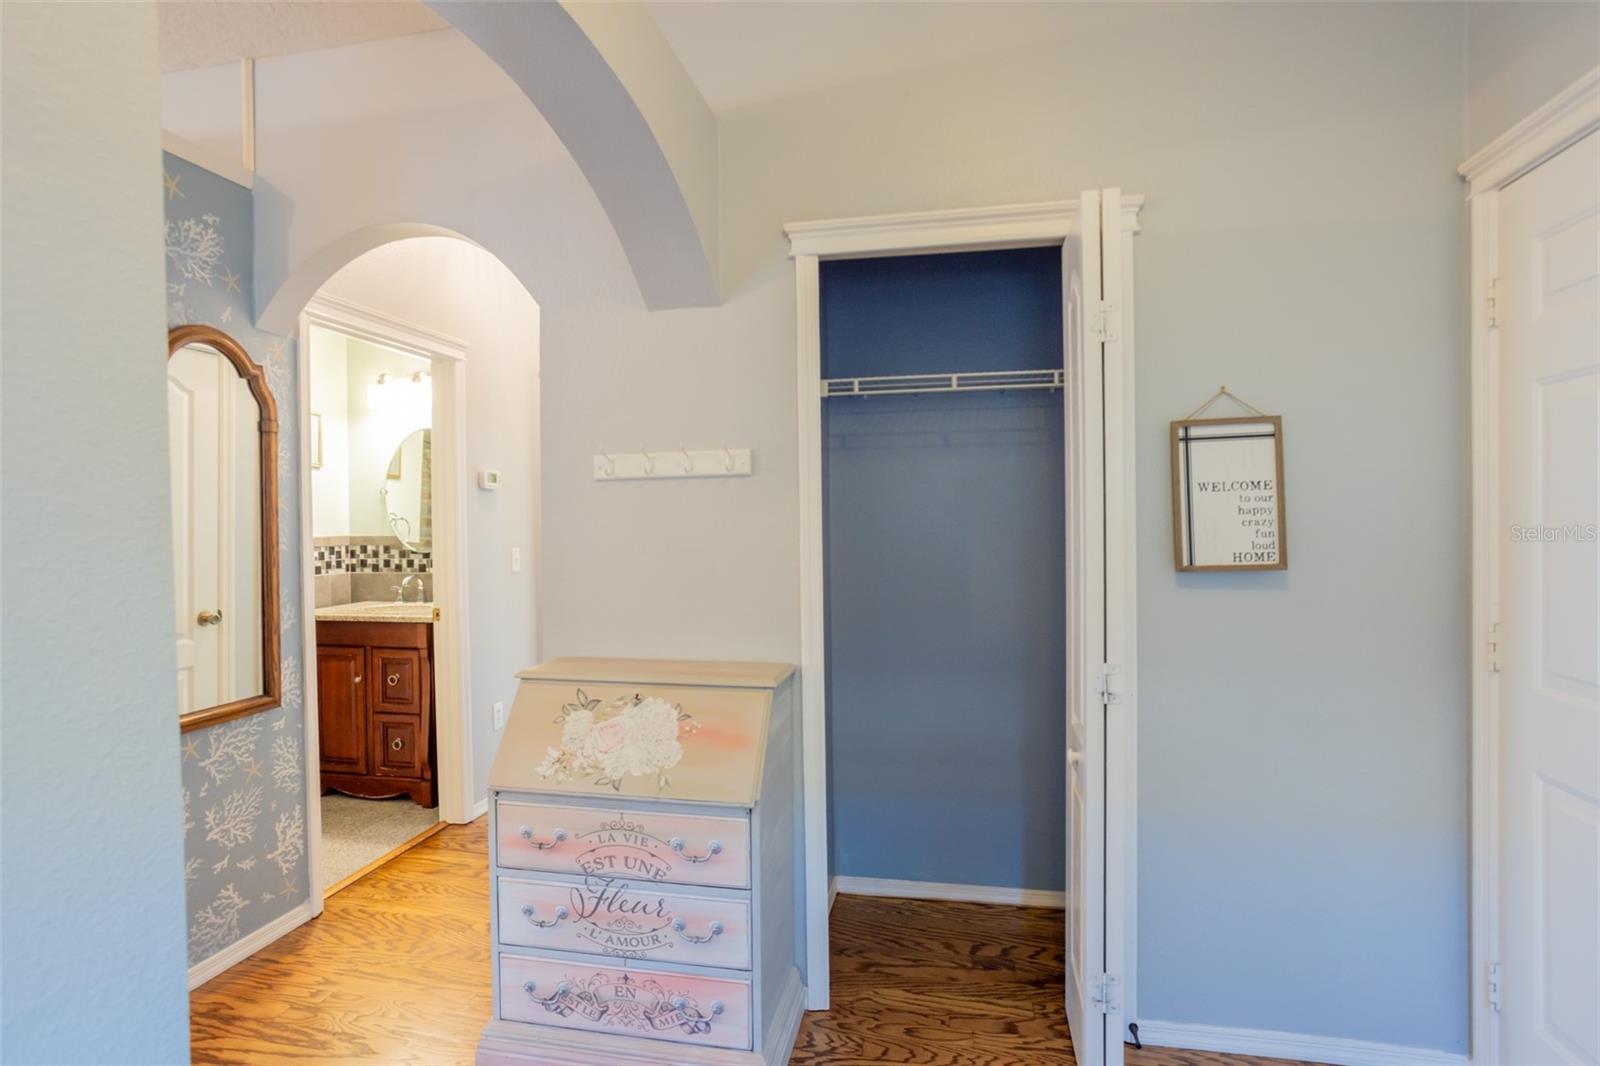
(1219, 394)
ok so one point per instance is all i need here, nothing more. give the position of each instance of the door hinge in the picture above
(1104, 321)
(1492, 646)
(1491, 297)
(1105, 992)
(1108, 682)
(1494, 986)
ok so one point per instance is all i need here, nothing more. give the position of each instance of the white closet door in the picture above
(1548, 299)
(1085, 495)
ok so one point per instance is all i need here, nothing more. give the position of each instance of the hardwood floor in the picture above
(397, 971)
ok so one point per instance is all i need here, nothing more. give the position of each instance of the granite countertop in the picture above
(378, 611)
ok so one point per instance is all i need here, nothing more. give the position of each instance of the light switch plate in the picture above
(499, 715)
(516, 560)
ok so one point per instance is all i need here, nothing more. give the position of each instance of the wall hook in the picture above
(688, 460)
(649, 463)
(611, 464)
(727, 458)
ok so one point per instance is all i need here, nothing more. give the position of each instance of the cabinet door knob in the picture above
(209, 618)
(357, 680)
(398, 744)
(394, 679)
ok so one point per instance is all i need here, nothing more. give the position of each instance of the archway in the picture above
(428, 293)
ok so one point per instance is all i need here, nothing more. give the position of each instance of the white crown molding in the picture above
(206, 159)
(1304, 1047)
(881, 886)
(1574, 112)
(364, 323)
(1011, 226)
(246, 946)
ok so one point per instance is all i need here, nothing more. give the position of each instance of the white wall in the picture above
(205, 108)
(419, 130)
(451, 287)
(1519, 55)
(330, 399)
(378, 425)
(93, 924)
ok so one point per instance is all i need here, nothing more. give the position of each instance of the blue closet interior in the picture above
(944, 531)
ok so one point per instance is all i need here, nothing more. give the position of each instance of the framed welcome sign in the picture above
(1227, 494)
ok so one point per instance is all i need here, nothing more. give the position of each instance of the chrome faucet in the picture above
(405, 583)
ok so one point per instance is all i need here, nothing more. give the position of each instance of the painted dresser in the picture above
(643, 838)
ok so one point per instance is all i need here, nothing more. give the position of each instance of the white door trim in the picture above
(976, 229)
(1565, 118)
(447, 358)
(1571, 115)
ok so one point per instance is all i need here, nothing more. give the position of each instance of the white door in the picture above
(1548, 311)
(195, 388)
(1091, 281)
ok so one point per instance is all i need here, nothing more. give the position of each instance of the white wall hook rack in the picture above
(674, 462)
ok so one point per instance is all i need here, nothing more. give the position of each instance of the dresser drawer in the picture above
(625, 919)
(688, 1009)
(635, 845)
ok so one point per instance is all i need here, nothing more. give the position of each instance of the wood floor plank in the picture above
(396, 970)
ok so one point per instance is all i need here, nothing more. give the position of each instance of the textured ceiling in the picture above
(203, 33)
(752, 52)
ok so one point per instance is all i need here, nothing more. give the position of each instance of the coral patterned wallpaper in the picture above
(244, 815)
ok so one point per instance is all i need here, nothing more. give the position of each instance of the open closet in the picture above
(965, 441)
(945, 527)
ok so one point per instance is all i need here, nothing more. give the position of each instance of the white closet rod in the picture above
(976, 381)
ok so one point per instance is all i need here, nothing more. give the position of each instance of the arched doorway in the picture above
(469, 328)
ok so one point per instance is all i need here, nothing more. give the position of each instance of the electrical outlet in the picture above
(516, 560)
(499, 715)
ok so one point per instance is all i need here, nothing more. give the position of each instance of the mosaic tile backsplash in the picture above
(355, 555)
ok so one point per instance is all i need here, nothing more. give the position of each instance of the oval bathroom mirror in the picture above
(222, 436)
(407, 491)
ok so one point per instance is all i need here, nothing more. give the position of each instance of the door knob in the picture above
(208, 618)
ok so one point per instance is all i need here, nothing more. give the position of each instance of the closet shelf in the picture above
(975, 381)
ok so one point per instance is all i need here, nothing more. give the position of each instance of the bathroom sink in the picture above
(377, 611)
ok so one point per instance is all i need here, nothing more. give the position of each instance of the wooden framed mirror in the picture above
(222, 433)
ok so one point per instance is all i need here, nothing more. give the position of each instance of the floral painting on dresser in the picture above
(244, 798)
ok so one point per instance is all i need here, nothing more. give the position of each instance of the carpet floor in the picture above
(357, 831)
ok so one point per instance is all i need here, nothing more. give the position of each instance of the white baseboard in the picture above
(833, 892)
(248, 945)
(881, 886)
(1306, 1047)
(479, 809)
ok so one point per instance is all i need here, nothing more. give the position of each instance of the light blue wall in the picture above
(1519, 55)
(92, 967)
(944, 525)
(1302, 738)
(243, 781)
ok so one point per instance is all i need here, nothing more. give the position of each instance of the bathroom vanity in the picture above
(643, 839)
(375, 700)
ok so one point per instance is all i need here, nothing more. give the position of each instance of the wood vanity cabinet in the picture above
(375, 709)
